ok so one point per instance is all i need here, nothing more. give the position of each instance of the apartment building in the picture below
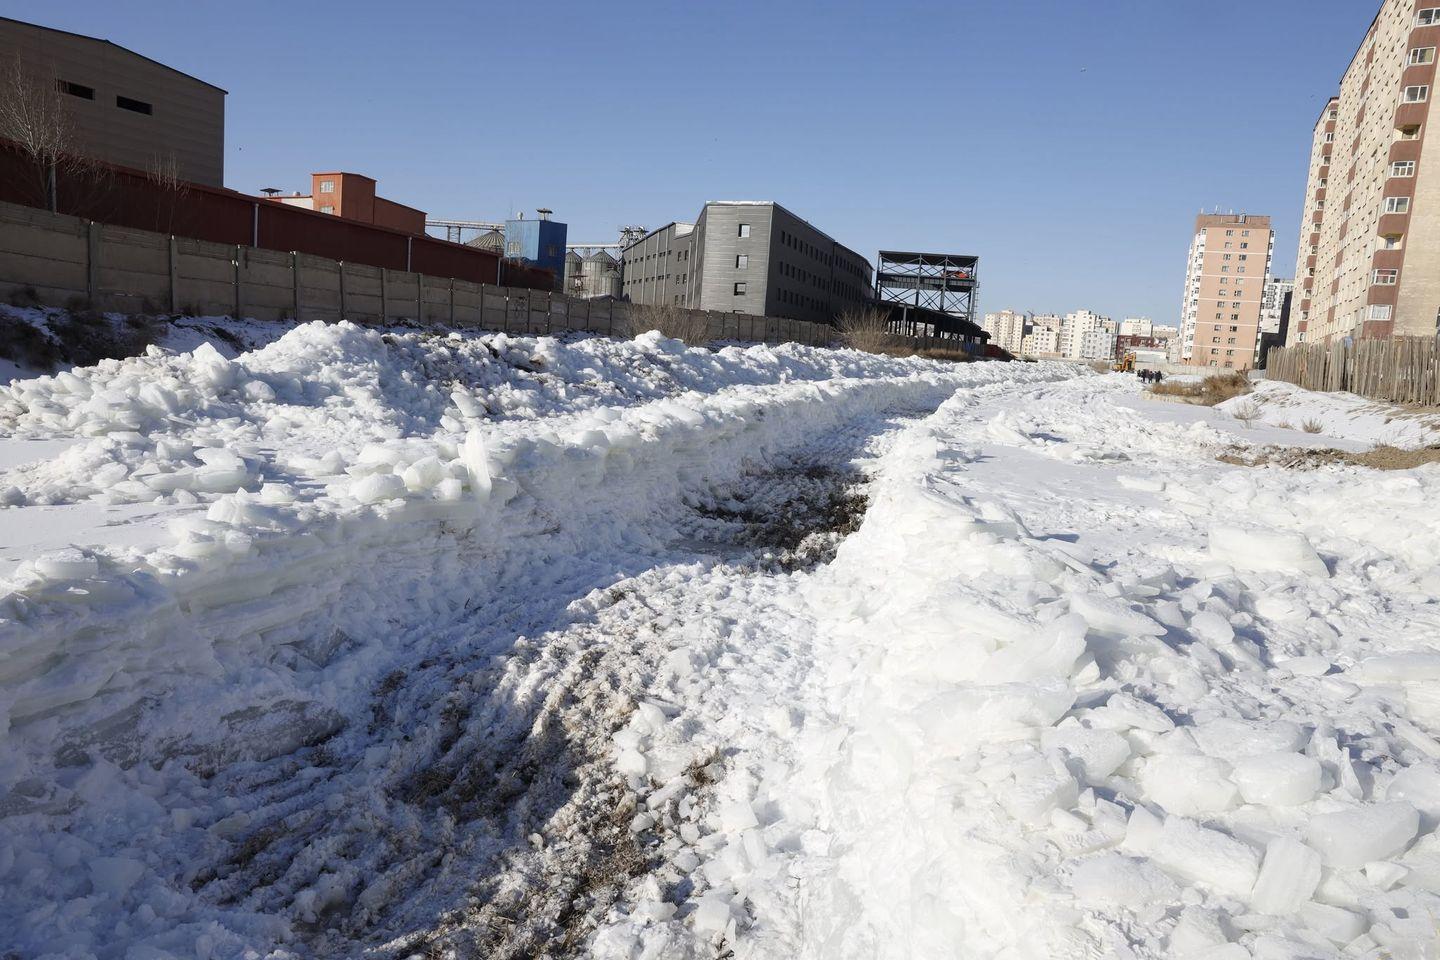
(1226, 272)
(124, 108)
(1137, 327)
(1368, 263)
(1041, 342)
(1007, 329)
(1272, 302)
(1087, 336)
(747, 256)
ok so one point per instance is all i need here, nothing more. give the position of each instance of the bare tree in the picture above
(34, 115)
(172, 190)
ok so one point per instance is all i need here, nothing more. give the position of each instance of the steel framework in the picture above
(931, 287)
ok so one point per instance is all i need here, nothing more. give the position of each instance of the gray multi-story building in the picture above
(747, 256)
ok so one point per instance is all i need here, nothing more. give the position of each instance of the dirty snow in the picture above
(507, 647)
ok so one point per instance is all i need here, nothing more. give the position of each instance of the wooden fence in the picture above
(1399, 370)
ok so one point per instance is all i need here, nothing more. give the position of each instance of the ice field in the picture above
(390, 644)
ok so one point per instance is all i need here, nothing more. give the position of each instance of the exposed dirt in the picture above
(1207, 392)
(818, 507)
(1306, 458)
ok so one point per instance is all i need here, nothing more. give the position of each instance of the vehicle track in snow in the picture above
(496, 824)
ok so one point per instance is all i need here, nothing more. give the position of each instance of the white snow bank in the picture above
(1020, 746)
(339, 500)
(1343, 416)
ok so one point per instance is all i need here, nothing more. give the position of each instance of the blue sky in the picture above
(1069, 144)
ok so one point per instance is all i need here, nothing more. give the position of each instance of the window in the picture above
(1402, 168)
(1427, 17)
(740, 288)
(1417, 94)
(329, 209)
(744, 230)
(1422, 55)
(1244, 246)
(1380, 311)
(1390, 241)
(742, 260)
(1397, 204)
(136, 106)
(1408, 132)
(327, 186)
(75, 89)
(1384, 278)
(1329, 138)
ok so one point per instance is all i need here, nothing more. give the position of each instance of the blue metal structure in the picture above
(539, 243)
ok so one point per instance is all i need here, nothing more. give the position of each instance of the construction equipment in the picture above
(1126, 364)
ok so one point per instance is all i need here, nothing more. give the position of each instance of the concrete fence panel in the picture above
(267, 284)
(319, 286)
(42, 251)
(64, 258)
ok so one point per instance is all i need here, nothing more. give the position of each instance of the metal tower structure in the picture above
(930, 289)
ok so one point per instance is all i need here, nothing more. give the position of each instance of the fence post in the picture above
(92, 262)
(295, 281)
(174, 276)
(420, 298)
(384, 296)
(452, 302)
(342, 289)
(239, 252)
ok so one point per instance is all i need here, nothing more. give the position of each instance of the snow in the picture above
(486, 645)
(1343, 416)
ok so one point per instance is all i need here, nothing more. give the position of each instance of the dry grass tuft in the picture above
(1208, 392)
(868, 330)
(677, 323)
(1247, 413)
(1312, 426)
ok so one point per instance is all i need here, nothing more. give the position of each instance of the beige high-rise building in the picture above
(1007, 329)
(1369, 258)
(1225, 279)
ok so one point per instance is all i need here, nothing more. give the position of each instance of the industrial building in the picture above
(352, 196)
(126, 109)
(930, 294)
(747, 256)
(595, 274)
(1226, 273)
(537, 243)
(1368, 263)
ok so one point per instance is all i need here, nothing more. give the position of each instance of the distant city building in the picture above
(1086, 336)
(1136, 327)
(1226, 271)
(537, 243)
(352, 196)
(125, 108)
(1146, 349)
(1007, 329)
(1164, 332)
(747, 256)
(1041, 342)
(1272, 302)
(1368, 263)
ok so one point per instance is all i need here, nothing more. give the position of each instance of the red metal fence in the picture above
(132, 198)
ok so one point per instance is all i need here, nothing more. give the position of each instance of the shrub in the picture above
(869, 330)
(1247, 413)
(1208, 392)
(24, 297)
(1311, 426)
(677, 323)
